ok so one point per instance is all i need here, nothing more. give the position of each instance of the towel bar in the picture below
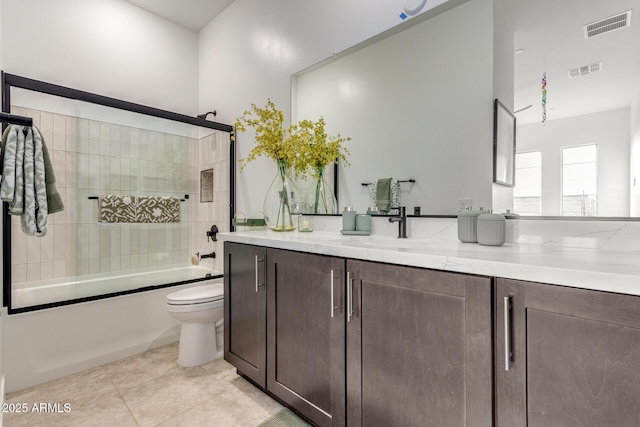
(186, 196)
(364, 184)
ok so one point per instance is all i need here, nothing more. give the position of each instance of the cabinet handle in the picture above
(332, 309)
(507, 333)
(349, 297)
(256, 268)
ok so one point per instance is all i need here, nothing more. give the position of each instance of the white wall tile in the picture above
(83, 267)
(94, 171)
(71, 243)
(135, 239)
(105, 264)
(152, 146)
(83, 139)
(125, 262)
(33, 250)
(19, 273)
(105, 239)
(59, 159)
(125, 143)
(71, 268)
(71, 170)
(134, 143)
(83, 170)
(116, 236)
(59, 141)
(105, 139)
(115, 143)
(115, 263)
(83, 241)
(46, 128)
(144, 239)
(116, 177)
(59, 241)
(94, 137)
(134, 261)
(18, 245)
(59, 269)
(105, 174)
(144, 260)
(33, 272)
(94, 241)
(71, 132)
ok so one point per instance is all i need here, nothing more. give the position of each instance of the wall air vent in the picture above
(584, 70)
(606, 25)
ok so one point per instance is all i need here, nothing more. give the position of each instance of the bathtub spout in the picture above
(211, 255)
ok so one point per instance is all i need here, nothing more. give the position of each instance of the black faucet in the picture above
(211, 255)
(212, 233)
(402, 221)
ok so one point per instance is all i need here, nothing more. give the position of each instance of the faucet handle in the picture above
(402, 209)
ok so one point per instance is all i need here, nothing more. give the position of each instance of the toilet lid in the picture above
(197, 294)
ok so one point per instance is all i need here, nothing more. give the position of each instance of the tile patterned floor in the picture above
(145, 390)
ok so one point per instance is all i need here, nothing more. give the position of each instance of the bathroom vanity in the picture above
(379, 331)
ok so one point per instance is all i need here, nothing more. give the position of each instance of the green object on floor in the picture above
(284, 418)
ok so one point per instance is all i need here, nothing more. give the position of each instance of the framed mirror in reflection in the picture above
(418, 100)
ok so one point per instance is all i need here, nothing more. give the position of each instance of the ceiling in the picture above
(193, 14)
(551, 34)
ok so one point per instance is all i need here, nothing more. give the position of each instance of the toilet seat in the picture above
(197, 295)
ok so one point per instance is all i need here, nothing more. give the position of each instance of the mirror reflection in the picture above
(418, 105)
(577, 161)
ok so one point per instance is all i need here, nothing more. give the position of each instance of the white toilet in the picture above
(201, 311)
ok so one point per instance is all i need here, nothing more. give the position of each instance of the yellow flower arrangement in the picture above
(272, 139)
(319, 149)
(302, 147)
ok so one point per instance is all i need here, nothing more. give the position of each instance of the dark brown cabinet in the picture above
(305, 334)
(566, 357)
(245, 310)
(419, 347)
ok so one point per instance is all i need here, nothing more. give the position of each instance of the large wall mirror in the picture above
(418, 103)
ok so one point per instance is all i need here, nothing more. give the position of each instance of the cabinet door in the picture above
(245, 310)
(419, 347)
(574, 357)
(306, 360)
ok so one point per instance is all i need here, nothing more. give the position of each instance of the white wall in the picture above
(610, 130)
(249, 52)
(635, 151)
(109, 47)
(412, 110)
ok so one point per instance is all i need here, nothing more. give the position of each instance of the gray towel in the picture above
(12, 165)
(383, 194)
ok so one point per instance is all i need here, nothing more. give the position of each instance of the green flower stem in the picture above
(283, 168)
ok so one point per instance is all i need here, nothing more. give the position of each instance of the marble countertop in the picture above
(611, 271)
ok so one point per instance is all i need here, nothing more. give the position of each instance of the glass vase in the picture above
(322, 198)
(281, 206)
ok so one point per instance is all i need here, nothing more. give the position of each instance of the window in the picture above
(527, 193)
(579, 181)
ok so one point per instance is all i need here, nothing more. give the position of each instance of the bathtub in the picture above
(54, 291)
(44, 345)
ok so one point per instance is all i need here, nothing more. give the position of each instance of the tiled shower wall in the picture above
(209, 152)
(91, 158)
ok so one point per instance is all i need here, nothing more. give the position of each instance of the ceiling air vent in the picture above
(584, 70)
(606, 25)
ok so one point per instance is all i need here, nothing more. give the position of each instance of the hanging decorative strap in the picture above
(544, 97)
